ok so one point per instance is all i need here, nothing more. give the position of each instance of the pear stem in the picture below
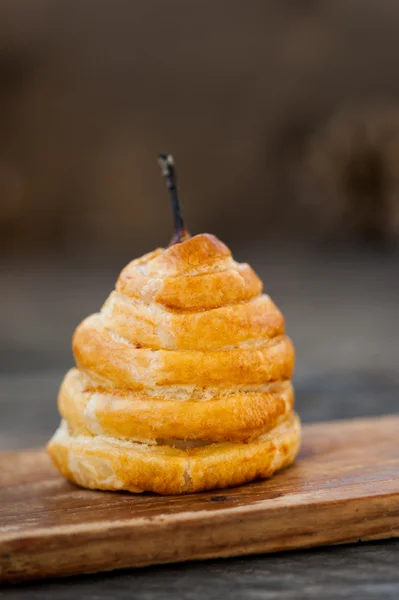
(167, 165)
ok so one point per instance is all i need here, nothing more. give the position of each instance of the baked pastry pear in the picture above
(182, 381)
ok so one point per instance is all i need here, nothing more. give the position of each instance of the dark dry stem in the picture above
(167, 165)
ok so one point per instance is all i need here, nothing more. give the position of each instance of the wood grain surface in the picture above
(343, 488)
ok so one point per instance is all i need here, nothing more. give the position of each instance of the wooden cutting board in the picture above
(343, 488)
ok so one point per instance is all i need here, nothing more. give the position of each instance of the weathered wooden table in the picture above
(343, 315)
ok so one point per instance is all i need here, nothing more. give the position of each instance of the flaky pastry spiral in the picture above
(182, 381)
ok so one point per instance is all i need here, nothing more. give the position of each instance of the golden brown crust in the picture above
(100, 353)
(198, 253)
(219, 328)
(196, 275)
(187, 351)
(105, 463)
(237, 417)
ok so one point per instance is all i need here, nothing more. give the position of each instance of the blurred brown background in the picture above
(283, 117)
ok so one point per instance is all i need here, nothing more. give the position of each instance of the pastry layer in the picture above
(102, 462)
(137, 416)
(219, 328)
(100, 352)
(199, 274)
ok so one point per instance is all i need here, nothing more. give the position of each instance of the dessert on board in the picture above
(182, 381)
